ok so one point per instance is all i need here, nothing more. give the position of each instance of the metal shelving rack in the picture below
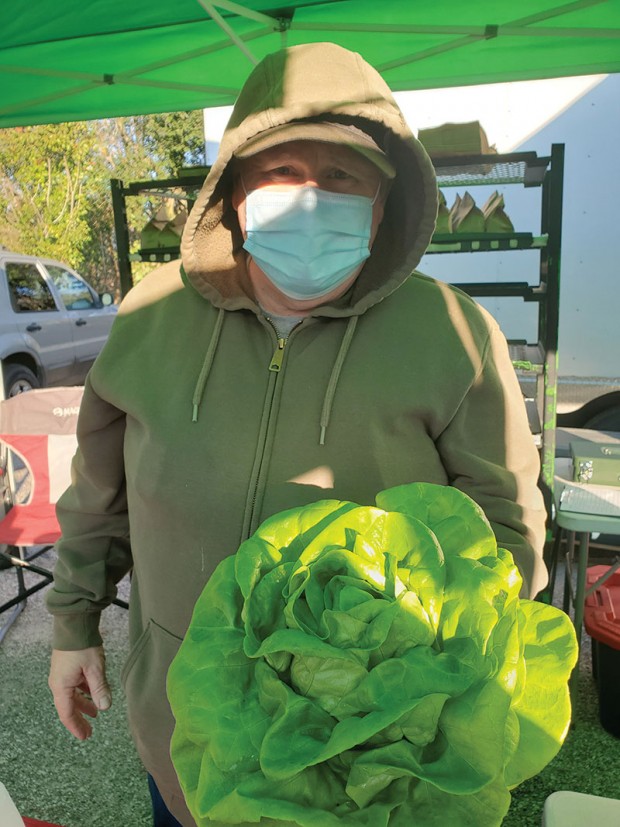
(534, 359)
(191, 183)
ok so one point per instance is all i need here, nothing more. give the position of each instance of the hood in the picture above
(316, 80)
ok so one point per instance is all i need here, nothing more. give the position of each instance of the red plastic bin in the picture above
(602, 622)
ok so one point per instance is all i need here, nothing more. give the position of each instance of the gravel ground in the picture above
(100, 782)
(48, 773)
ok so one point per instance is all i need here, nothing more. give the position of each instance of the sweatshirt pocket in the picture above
(144, 680)
(134, 653)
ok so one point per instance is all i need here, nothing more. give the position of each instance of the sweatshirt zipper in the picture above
(278, 356)
(275, 366)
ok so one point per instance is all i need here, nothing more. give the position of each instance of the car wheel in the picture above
(18, 379)
(605, 420)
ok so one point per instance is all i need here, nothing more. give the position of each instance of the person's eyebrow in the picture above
(353, 161)
(273, 156)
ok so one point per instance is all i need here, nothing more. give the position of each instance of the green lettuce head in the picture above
(374, 666)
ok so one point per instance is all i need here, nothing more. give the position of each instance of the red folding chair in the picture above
(39, 428)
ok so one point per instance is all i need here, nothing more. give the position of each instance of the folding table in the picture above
(578, 526)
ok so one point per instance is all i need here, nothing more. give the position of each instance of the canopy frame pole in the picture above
(106, 81)
(126, 77)
(478, 32)
(277, 24)
(66, 93)
(217, 18)
(242, 11)
(122, 77)
(492, 31)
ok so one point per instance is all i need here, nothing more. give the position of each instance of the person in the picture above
(293, 354)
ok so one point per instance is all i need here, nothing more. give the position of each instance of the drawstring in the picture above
(206, 367)
(331, 385)
(333, 379)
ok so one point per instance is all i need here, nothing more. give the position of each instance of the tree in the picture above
(55, 184)
(177, 138)
(43, 180)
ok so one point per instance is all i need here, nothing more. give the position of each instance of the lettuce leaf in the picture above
(375, 666)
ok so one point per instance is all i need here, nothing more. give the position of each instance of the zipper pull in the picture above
(278, 355)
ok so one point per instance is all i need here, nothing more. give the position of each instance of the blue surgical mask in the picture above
(307, 241)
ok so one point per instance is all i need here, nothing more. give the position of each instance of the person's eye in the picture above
(282, 172)
(340, 174)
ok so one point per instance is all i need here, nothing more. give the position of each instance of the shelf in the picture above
(184, 182)
(527, 358)
(485, 242)
(161, 254)
(519, 289)
(473, 170)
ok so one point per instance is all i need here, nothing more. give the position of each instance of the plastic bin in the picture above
(602, 622)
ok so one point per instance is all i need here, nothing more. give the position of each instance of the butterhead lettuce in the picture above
(355, 665)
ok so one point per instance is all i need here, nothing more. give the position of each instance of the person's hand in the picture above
(79, 686)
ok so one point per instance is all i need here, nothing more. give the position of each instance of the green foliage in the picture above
(55, 184)
(176, 138)
(368, 666)
(43, 181)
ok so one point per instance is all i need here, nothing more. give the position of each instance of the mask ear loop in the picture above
(377, 192)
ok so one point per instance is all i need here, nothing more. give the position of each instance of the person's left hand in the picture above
(80, 687)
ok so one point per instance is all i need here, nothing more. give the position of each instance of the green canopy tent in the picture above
(73, 60)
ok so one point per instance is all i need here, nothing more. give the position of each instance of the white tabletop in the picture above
(563, 437)
(572, 520)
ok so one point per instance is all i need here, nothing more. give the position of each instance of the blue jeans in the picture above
(162, 817)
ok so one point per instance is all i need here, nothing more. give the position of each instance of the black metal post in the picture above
(122, 235)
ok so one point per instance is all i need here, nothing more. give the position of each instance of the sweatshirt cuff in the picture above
(76, 631)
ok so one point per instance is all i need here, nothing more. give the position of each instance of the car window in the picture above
(29, 292)
(75, 293)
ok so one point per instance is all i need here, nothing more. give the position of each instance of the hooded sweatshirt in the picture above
(197, 423)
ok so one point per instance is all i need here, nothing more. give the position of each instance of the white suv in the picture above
(52, 323)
